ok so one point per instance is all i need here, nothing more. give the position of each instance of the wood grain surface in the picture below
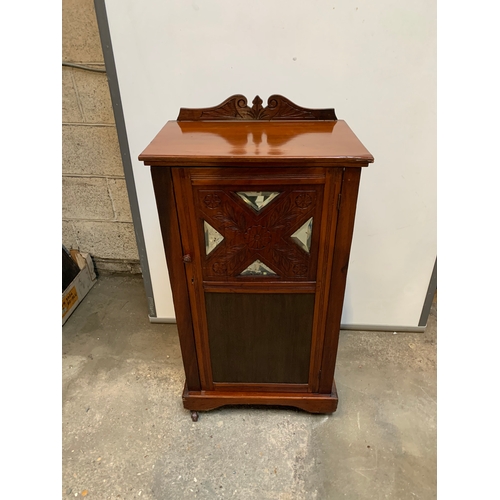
(240, 143)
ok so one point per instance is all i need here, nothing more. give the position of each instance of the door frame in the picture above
(184, 180)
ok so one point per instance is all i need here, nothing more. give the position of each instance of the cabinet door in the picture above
(258, 247)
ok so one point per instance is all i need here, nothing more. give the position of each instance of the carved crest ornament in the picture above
(236, 108)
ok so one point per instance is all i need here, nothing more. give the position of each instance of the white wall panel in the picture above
(374, 62)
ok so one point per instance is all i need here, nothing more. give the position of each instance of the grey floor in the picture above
(127, 436)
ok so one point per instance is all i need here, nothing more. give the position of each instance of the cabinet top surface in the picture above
(280, 143)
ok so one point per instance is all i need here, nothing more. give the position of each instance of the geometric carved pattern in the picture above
(303, 200)
(276, 241)
(257, 237)
(212, 201)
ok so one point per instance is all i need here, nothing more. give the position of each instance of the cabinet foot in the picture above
(307, 401)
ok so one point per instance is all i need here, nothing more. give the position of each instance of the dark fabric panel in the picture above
(260, 338)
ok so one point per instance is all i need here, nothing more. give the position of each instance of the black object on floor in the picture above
(70, 269)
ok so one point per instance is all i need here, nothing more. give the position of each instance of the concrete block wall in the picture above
(96, 215)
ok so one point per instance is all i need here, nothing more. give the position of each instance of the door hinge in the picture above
(338, 201)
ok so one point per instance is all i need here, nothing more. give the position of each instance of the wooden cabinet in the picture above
(256, 206)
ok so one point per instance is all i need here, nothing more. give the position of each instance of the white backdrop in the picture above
(374, 62)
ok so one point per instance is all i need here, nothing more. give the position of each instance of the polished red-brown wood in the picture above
(310, 402)
(193, 274)
(338, 275)
(169, 224)
(202, 266)
(271, 144)
(199, 164)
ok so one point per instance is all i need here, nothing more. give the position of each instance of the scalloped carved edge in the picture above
(236, 108)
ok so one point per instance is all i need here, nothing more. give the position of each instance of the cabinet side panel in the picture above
(169, 223)
(342, 249)
(260, 338)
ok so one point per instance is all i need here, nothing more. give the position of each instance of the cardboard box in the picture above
(80, 286)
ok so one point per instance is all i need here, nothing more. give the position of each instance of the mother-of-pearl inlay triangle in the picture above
(258, 268)
(212, 237)
(303, 235)
(257, 199)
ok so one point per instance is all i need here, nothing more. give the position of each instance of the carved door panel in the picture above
(254, 240)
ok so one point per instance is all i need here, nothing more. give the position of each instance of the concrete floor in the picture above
(127, 436)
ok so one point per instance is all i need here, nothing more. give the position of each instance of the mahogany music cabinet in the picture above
(256, 208)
